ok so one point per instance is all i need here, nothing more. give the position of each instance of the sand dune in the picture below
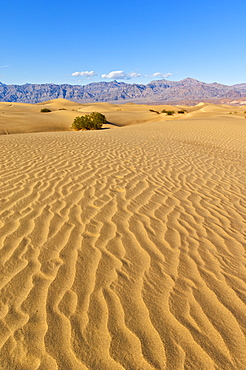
(27, 118)
(23, 118)
(123, 248)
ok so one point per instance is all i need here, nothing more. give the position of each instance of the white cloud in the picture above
(115, 74)
(121, 75)
(134, 75)
(84, 74)
(8, 65)
(161, 75)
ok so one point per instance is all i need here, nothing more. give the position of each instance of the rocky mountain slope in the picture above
(187, 91)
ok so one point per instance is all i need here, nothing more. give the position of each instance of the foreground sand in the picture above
(125, 248)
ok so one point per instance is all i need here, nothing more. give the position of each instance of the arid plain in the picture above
(122, 248)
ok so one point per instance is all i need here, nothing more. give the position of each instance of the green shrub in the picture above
(181, 111)
(93, 121)
(44, 110)
(168, 112)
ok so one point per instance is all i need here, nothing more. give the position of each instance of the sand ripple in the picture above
(124, 249)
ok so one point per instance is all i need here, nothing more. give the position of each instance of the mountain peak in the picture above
(191, 81)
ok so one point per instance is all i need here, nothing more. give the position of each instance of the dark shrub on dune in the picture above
(45, 110)
(93, 121)
(168, 112)
(154, 111)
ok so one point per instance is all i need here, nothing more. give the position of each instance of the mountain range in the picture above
(188, 91)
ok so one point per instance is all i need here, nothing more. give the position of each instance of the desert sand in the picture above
(122, 248)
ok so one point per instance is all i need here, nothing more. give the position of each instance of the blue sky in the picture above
(131, 41)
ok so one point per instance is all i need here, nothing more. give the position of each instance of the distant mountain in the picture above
(187, 91)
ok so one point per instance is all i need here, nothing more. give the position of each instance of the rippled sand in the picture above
(124, 248)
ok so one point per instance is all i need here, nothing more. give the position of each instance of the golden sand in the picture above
(122, 248)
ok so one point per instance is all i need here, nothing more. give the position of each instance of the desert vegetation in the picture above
(45, 110)
(93, 121)
(154, 111)
(168, 112)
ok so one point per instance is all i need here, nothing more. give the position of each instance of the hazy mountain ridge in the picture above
(160, 91)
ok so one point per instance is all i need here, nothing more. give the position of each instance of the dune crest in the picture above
(124, 248)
